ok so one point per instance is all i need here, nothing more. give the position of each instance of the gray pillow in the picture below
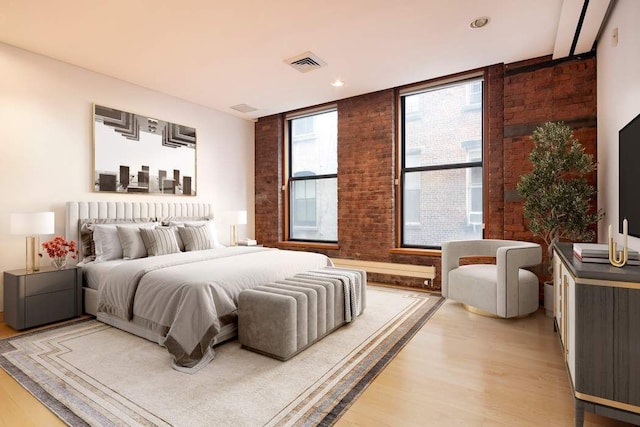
(195, 238)
(159, 241)
(131, 242)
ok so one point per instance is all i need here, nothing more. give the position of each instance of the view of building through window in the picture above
(442, 164)
(313, 177)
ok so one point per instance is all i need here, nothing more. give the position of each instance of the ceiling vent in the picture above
(243, 108)
(306, 62)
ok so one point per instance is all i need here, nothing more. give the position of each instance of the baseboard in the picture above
(406, 288)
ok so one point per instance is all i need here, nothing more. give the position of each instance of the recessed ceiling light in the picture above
(337, 83)
(479, 22)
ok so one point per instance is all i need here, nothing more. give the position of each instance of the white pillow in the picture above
(211, 225)
(131, 242)
(107, 242)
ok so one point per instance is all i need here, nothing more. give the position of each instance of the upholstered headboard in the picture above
(75, 211)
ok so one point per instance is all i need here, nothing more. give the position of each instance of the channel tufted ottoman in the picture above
(282, 318)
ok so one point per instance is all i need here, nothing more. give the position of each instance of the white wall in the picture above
(46, 144)
(618, 103)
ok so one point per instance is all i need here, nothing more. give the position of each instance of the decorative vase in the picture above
(59, 262)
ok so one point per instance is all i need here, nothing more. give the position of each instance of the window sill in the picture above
(304, 245)
(414, 251)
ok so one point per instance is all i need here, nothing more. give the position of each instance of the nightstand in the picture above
(48, 295)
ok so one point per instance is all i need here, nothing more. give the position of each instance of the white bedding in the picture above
(189, 298)
(94, 271)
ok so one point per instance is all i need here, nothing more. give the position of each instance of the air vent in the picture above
(305, 62)
(244, 108)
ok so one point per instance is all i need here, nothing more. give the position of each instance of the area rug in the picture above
(89, 373)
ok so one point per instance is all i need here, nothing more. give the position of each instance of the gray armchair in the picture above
(504, 289)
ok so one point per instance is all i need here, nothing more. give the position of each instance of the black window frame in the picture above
(291, 179)
(404, 170)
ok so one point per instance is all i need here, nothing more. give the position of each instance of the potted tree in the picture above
(557, 196)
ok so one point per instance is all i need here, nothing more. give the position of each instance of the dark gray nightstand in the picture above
(46, 296)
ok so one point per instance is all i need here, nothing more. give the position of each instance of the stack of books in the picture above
(599, 253)
(247, 242)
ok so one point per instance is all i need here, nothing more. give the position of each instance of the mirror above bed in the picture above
(139, 154)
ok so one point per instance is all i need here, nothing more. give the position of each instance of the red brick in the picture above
(367, 140)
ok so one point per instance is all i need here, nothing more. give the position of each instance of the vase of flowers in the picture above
(59, 249)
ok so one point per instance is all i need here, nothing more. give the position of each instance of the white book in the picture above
(599, 250)
(248, 242)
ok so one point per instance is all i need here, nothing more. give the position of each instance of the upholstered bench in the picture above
(282, 318)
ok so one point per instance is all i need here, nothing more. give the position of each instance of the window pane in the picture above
(444, 209)
(314, 144)
(304, 206)
(302, 127)
(314, 209)
(446, 127)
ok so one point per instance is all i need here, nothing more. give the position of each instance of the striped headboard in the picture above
(75, 211)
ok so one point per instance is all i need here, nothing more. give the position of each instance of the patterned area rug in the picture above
(89, 373)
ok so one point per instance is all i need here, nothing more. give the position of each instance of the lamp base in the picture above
(234, 235)
(32, 251)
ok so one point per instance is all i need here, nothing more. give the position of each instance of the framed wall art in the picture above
(138, 154)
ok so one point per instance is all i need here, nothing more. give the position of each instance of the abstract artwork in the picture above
(138, 154)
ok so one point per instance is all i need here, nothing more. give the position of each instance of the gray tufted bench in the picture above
(282, 318)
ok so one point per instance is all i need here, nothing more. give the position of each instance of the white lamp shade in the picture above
(241, 217)
(33, 223)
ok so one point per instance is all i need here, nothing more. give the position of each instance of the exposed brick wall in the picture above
(366, 147)
(494, 168)
(564, 91)
(519, 98)
(268, 180)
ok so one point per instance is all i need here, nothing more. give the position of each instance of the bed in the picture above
(185, 300)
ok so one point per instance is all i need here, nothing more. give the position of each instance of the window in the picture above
(441, 164)
(411, 197)
(313, 176)
(304, 202)
(474, 94)
(412, 108)
(303, 128)
(474, 186)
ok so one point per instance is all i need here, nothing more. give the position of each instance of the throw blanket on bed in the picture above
(189, 293)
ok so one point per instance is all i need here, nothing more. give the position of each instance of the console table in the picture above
(597, 315)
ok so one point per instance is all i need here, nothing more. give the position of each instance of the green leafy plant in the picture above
(557, 196)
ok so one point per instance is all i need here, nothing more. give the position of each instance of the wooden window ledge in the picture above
(308, 245)
(415, 251)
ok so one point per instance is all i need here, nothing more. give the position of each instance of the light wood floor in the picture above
(461, 369)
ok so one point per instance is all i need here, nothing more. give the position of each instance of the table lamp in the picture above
(32, 225)
(237, 218)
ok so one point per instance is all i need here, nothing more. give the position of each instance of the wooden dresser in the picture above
(597, 315)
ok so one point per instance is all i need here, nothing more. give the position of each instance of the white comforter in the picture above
(189, 294)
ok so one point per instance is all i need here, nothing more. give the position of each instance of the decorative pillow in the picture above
(107, 242)
(159, 241)
(195, 238)
(131, 242)
(178, 238)
(87, 243)
(211, 226)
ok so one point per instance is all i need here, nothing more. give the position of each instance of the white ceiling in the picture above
(219, 54)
